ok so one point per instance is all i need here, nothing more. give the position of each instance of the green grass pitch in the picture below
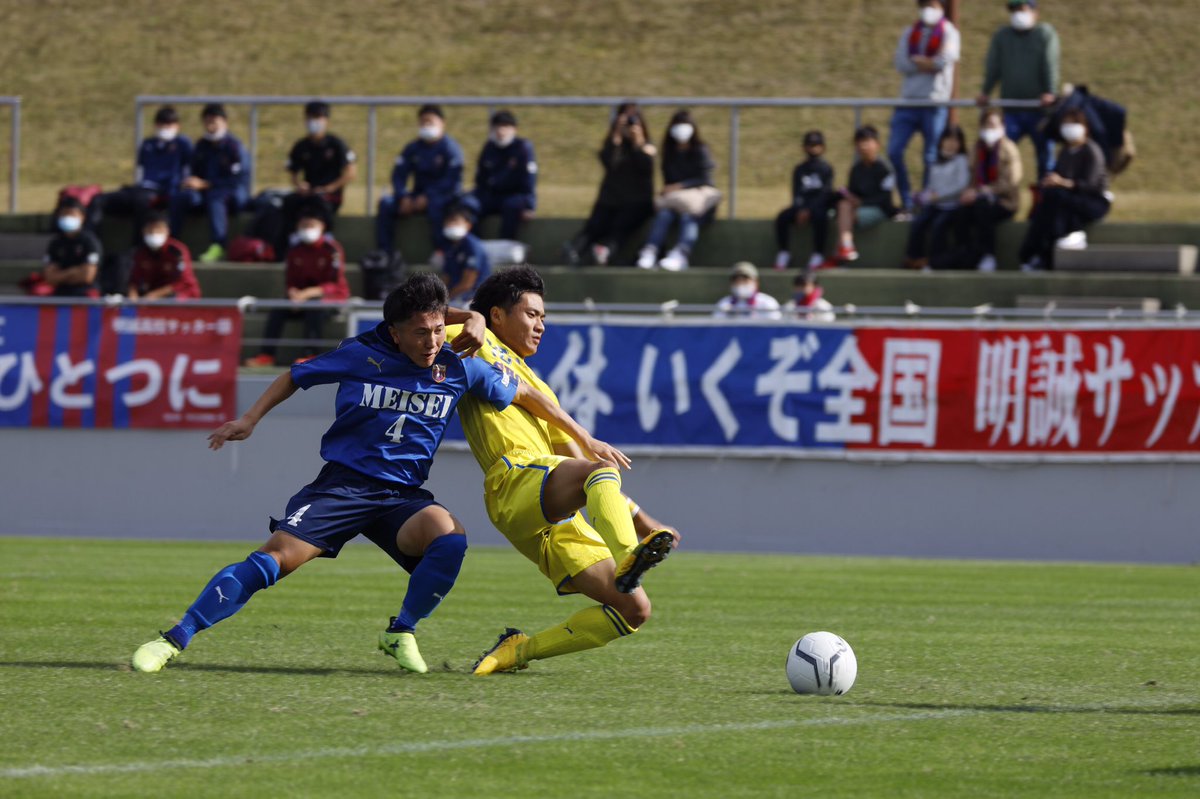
(975, 680)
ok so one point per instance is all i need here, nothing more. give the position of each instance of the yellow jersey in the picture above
(493, 433)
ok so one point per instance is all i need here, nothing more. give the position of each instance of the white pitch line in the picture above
(418, 747)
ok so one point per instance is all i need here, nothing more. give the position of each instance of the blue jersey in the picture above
(466, 253)
(390, 413)
(162, 165)
(505, 171)
(222, 162)
(436, 168)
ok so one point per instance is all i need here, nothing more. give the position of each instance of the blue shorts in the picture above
(342, 503)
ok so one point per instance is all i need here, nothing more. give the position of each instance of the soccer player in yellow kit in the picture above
(537, 480)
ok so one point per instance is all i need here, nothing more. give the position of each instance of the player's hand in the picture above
(468, 342)
(235, 430)
(607, 452)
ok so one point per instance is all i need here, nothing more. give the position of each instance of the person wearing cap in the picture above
(321, 165)
(505, 177)
(808, 301)
(812, 193)
(867, 198)
(1023, 59)
(925, 57)
(435, 162)
(744, 300)
(466, 264)
(163, 161)
(217, 183)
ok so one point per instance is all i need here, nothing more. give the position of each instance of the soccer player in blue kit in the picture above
(397, 387)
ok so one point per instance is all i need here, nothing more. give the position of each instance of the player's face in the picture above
(521, 326)
(420, 336)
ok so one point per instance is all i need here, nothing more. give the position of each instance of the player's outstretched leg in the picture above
(652, 551)
(608, 509)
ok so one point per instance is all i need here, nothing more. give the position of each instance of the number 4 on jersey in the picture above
(394, 432)
(294, 519)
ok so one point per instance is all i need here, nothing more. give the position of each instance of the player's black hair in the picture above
(68, 204)
(214, 110)
(316, 109)
(156, 218)
(430, 108)
(462, 210)
(167, 115)
(503, 289)
(422, 292)
(866, 132)
(503, 117)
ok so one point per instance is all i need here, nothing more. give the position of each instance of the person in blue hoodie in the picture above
(506, 176)
(435, 162)
(466, 264)
(220, 168)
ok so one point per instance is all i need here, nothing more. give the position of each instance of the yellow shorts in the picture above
(513, 497)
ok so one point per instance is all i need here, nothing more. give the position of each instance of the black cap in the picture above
(814, 138)
(503, 118)
(214, 110)
(167, 115)
(315, 109)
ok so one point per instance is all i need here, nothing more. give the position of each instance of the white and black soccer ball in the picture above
(821, 663)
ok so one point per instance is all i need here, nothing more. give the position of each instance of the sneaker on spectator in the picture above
(782, 259)
(647, 257)
(674, 261)
(1076, 240)
(846, 253)
(601, 254)
(987, 263)
(259, 361)
(215, 252)
(816, 261)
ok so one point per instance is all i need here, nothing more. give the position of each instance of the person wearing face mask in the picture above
(505, 177)
(217, 183)
(925, 57)
(812, 194)
(321, 165)
(688, 194)
(72, 260)
(315, 272)
(164, 160)
(994, 194)
(162, 266)
(808, 301)
(948, 179)
(1023, 59)
(466, 264)
(1074, 195)
(744, 300)
(435, 162)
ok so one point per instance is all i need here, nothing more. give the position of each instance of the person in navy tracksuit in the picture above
(435, 161)
(506, 176)
(220, 168)
(466, 264)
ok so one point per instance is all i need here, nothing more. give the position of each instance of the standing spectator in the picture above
(948, 179)
(995, 191)
(626, 197)
(315, 272)
(321, 166)
(1073, 195)
(808, 300)
(466, 264)
(925, 58)
(72, 259)
(688, 194)
(217, 182)
(162, 266)
(506, 176)
(867, 198)
(812, 195)
(1023, 59)
(435, 161)
(744, 300)
(163, 161)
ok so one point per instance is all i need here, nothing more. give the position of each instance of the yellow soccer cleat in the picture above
(652, 551)
(151, 657)
(403, 647)
(506, 655)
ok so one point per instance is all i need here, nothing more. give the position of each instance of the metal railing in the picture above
(372, 104)
(14, 149)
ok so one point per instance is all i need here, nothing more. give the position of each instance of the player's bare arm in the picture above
(240, 429)
(549, 411)
(469, 341)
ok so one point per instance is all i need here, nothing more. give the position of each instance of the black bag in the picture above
(381, 273)
(268, 224)
(1106, 125)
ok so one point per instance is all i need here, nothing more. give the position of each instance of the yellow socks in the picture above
(589, 628)
(608, 509)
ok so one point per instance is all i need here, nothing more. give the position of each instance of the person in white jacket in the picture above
(744, 300)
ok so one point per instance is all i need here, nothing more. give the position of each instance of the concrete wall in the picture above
(160, 484)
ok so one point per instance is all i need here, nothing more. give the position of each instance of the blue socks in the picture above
(226, 593)
(430, 581)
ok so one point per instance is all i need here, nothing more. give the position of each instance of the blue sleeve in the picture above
(400, 171)
(490, 381)
(482, 264)
(328, 367)
(448, 184)
(529, 170)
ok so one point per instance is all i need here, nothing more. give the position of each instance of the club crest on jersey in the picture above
(439, 372)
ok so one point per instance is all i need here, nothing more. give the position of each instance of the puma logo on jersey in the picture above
(377, 364)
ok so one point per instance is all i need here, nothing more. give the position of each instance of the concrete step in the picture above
(23, 246)
(1177, 259)
(1137, 304)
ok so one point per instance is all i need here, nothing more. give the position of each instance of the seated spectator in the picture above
(162, 266)
(994, 195)
(321, 166)
(744, 300)
(626, 198)
(812, 195)
(505, 177)
(688, 194)
(808, 300)
(315, 272)
(435, 162)
(867, 198)
(72, 259)
(466, 264)
(217, 182)
(163, 161)
(1073, 195)
(948, 179)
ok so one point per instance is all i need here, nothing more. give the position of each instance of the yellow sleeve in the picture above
(556, 436)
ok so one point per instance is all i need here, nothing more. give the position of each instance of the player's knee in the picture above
(451, 541)
(636, 609)
(603, 463)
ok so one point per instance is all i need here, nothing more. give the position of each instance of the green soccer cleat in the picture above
(652, 551)
(151, 657)
(215, 252)
(506, 655)
(403, 647)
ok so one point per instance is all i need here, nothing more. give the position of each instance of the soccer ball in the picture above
(821, 663)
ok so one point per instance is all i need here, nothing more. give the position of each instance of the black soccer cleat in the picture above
(652, 551)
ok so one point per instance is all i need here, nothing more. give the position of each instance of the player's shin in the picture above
(226, 593)
(609, 511)
(431, 580)
(589, 628)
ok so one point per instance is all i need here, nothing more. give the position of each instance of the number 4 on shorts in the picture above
(294, 519)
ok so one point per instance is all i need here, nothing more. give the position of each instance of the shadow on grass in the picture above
(223, 667)
(1173, 771)
(1166, 710)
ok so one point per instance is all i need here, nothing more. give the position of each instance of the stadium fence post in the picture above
(253, 146)
(14, 154)
(735, 116)
(371, 133)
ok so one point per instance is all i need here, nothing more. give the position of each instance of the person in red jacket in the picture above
(315, 272)
(162, 266)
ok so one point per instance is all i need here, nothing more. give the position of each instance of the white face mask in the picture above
(743, 290)
(503, 139)
(216, 135)
(310, 234)
(155, 241)
(316, 126)
(1022, 20)
(168, 133)
(429, 132)
(454, 232)
(990, 136)
(1073, 132)
(69, 223)
(682, 132)
(931, 16)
